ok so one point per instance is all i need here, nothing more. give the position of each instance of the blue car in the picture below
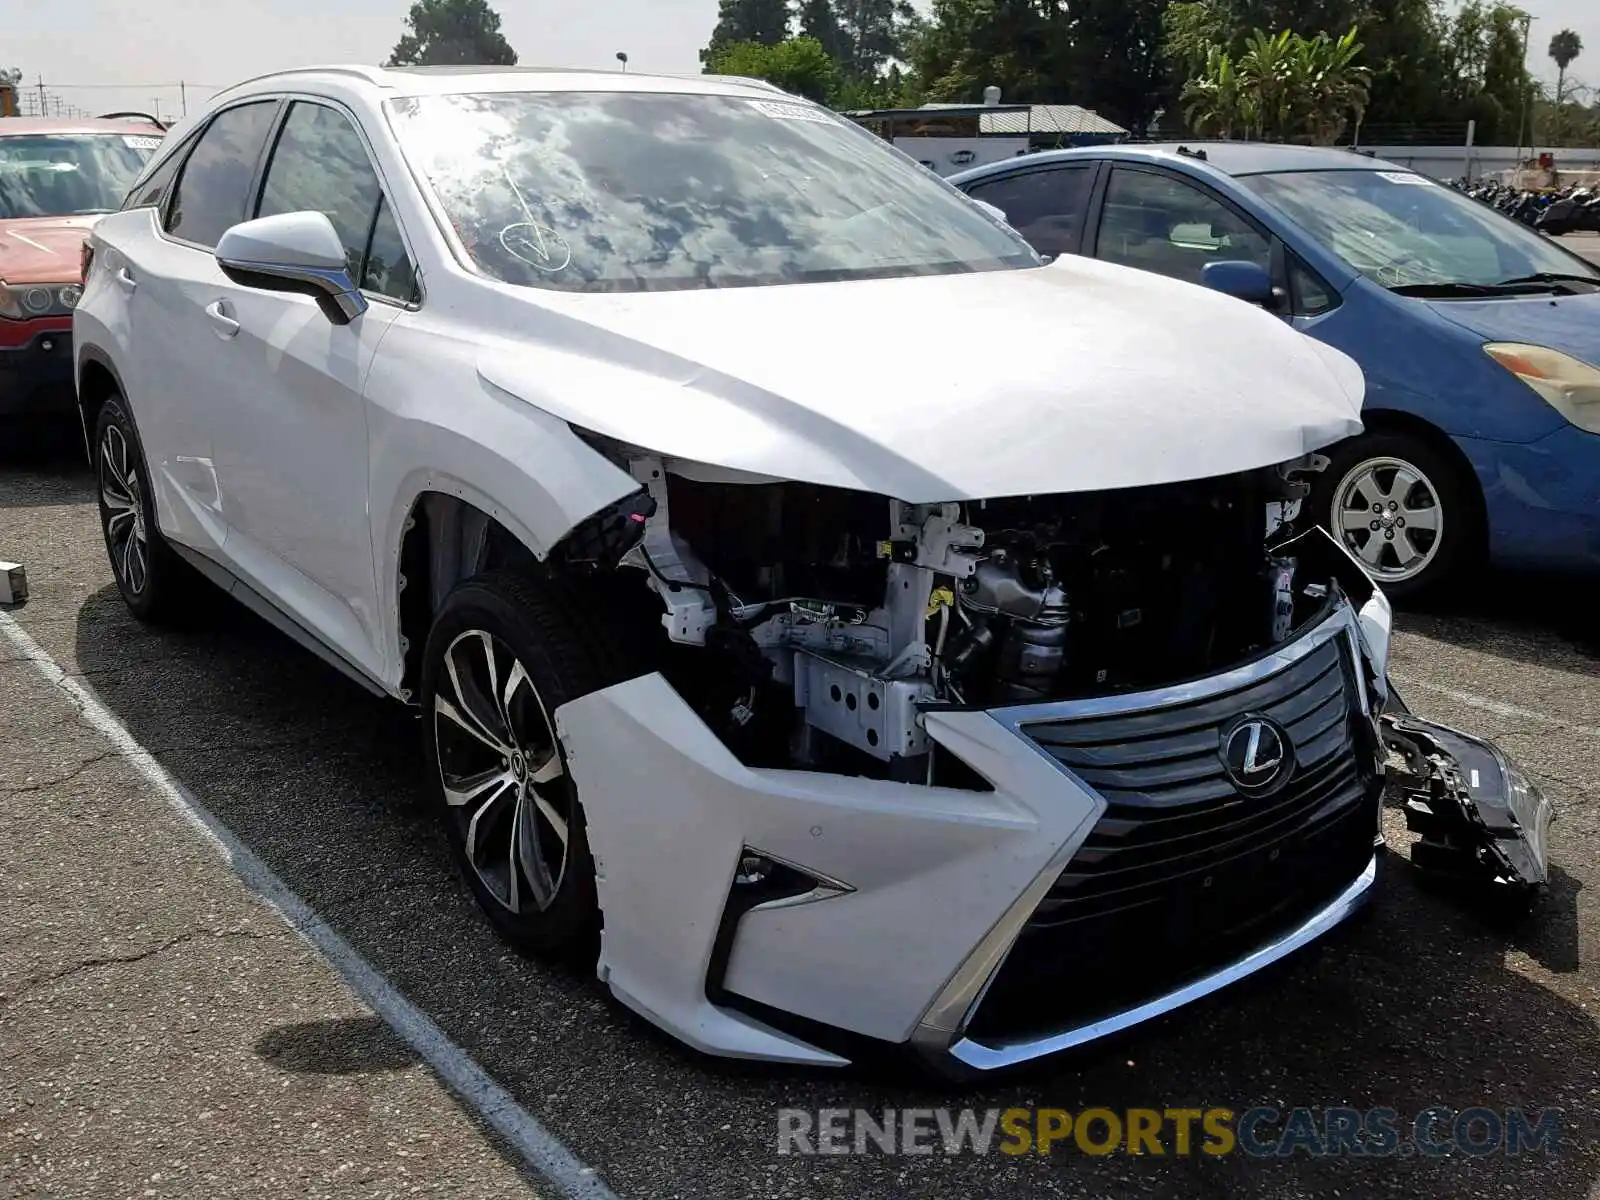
(1480, 339)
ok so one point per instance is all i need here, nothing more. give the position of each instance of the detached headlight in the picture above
(21, 302)
(1568, 385)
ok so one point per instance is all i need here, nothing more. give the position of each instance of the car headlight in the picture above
(22, 302)
(1568, 385)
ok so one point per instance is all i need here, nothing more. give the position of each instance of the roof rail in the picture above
(357, 70)
(742, 80)
(133, 116)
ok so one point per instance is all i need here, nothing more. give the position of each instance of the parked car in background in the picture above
(1480, 339)
(570, 407)
(57, 177)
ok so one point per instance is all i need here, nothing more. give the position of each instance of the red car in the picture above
(57, 177)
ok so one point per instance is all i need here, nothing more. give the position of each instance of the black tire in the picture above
(154, 582)
(538, 626)
(1457, 510)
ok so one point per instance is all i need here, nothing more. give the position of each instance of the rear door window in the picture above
(1046, 206)
(213, 190)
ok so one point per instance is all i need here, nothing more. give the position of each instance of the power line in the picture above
(122, 87)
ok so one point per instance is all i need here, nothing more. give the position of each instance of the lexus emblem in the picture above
(1257, 754)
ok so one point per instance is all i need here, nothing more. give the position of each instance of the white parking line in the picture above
(542, 1150)
(1498, 708)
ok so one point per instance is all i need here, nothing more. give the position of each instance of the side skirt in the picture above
(264, 608)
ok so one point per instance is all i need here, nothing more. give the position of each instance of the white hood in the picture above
(1079, 376)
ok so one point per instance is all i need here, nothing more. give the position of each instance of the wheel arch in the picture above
(98, 380)
(451, 533)
(1392, 420)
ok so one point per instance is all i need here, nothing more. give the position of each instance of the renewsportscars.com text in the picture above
(1258, 1132)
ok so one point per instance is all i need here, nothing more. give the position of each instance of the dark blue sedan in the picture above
(1480, 339)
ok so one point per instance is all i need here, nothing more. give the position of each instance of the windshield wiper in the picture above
(1445, 290)
(1529, 286)
(1552, 277)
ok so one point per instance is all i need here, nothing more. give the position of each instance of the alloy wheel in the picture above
(504, 779)
(122, 493)
(1387, 511)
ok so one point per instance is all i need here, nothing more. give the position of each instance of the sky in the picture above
(131, 54)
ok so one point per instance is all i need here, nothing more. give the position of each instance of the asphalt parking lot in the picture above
(164, 1033)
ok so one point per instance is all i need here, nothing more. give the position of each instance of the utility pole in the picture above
(183, 97)
(43, 111)
(1522, 121)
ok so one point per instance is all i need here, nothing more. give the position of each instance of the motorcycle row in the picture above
(1574, 209)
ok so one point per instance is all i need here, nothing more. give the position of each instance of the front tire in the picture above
(151, 578)
(505, 653)
(1402, 508)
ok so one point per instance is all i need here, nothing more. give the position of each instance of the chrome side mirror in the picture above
(295, 252)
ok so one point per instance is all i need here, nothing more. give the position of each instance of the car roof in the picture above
(1227, 158)
(19, 126)
(448, 80)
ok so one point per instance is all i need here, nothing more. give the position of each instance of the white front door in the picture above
(291, 444)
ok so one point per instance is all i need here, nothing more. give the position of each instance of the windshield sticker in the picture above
(142, 143)
(791, 112)
(1410, 177)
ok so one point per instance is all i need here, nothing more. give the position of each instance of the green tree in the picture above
(1190, 32)
(799, 65)
(452, 32)
(1564, 47)
(1334, 88)
(1115, 59)
(818, 21)
(760, 22)
(872, 32)
(1284, 87)
(1215, 102)
(1019, 46)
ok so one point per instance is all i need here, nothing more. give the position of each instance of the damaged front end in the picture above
(1128, 746)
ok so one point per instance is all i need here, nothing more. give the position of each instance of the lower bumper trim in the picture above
(979, 1056)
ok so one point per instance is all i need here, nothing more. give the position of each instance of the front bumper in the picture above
(917, 913)
(36, 367)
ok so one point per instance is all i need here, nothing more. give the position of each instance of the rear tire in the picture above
(1402, 508)
(154, 582)
(504, 654)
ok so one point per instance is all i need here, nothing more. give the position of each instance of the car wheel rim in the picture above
(1387, 512)
(501, 768)
(122, 495)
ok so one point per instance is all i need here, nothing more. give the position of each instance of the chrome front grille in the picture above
(1182, 874)
(1171, 811)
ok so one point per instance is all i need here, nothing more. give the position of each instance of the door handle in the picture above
(125, 280)
(224, 326)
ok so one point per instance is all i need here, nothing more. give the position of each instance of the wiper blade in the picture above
(1533, 285)
(1442, 289)
(1552, 277)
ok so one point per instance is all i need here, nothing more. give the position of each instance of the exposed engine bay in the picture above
(809, 625)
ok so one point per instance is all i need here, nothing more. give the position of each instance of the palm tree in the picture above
(1564, 47)
(1267, 71)
(1215, 100)
(1332, 88)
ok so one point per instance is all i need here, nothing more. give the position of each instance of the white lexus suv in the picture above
(844, 627)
